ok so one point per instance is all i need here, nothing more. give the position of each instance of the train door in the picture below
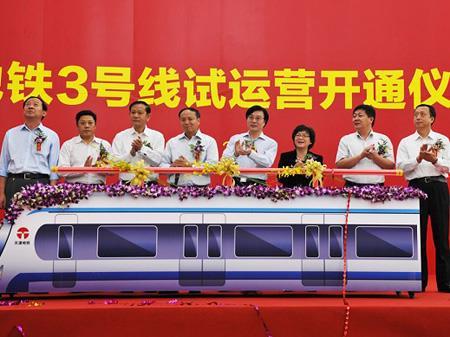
(202, 263)
(190, 262)
(313, 260)
(214, 263)
(64, 265)
(334, 264)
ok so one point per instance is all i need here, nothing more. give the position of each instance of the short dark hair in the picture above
(309, 130)
(44, 105)
(147, 107)
(368, 109)
(431, 109)
(254, 108)
(197, 113)
(85, 113)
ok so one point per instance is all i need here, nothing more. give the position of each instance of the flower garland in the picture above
(63, 195)
(310, 168)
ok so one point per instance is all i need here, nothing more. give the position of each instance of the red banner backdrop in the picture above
(307, 61)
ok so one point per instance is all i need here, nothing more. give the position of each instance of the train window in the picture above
(384, 241)
(214, 241)
(190, 241)
(127, 241)
(312, 241)
(262, 241)
(65, 242)
(335, 241)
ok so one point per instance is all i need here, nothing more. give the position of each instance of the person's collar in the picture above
(432, 135)
(370, 134)
(135, 133)
(198, 135)
(40, 127)
(78, 139)
(261, 135)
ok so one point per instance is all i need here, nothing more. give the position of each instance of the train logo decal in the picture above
(23, 233)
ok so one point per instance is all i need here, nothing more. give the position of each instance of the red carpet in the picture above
(227, 315)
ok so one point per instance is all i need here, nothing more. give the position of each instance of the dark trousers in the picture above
(15, 184)
(436, 206)
(249, 181)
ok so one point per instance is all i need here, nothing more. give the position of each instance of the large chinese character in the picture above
(332, 88)
(114, 84)
(250, 90)
(166, 82)
(75, 84)
(33, 77)
(435, 95)
(16, 74)
(387, 91)
(294, 88)
(202, 90)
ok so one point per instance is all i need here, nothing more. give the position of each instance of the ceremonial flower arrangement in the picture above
(249, 144)
(103, 156)
(382, 147)
(197, 150)
(439, 145)
(63, 195)
(40, 138)
(147, 144)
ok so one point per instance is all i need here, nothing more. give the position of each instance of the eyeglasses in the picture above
(255, 118)
(303, 135)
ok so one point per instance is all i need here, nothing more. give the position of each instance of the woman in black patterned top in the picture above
(303, 138)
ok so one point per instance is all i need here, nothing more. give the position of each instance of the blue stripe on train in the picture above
(222, 210)
(21, 282)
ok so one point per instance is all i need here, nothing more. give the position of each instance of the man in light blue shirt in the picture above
(28, 152)
(252, 149)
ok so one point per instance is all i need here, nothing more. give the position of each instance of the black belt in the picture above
(28, 175)
(427, 180)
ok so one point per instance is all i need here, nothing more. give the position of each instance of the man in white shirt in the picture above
(139, 142)
(191, 146)
(252, 149)
(424, 157)
(84, 150)
(364, 149)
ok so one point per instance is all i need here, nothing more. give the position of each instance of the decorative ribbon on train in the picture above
(310, 168)
(226, 167)
(344, 272)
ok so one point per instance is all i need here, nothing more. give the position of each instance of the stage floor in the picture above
(226, 315)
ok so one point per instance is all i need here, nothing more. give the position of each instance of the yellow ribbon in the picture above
(226, 167)
(310, 168)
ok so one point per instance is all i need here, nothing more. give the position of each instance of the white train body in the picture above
(223, 243)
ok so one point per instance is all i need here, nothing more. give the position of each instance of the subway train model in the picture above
(225, 243)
